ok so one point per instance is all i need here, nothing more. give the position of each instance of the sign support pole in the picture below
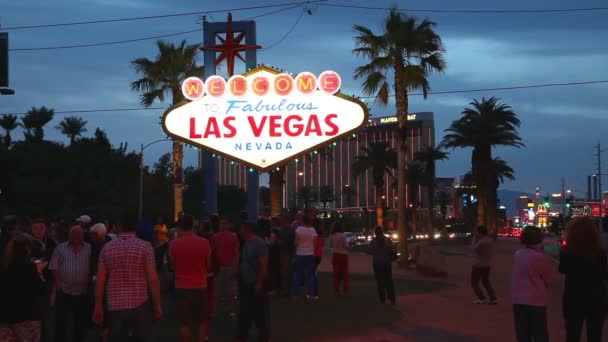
(209, 164)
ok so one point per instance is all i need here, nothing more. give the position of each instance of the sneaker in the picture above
(480, 301)
(493, 302)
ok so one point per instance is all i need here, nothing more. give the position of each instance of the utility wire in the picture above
(557, 10)
(286, 34)
(88, 22)
(546, 85)
(76, 46)
(362, 97)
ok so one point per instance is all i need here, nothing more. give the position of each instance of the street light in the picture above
(141, 173)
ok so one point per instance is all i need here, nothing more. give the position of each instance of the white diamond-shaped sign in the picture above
(264, 118)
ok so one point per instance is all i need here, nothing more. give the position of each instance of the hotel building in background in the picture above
(333, 167)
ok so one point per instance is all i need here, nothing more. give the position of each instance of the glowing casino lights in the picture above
(282, 84)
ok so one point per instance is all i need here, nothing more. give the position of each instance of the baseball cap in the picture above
(84, 219)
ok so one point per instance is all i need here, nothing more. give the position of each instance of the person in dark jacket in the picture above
(583, 262)
(383, 255)
(22, 286)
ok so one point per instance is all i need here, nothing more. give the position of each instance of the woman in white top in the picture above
(304, 261)
(339, 247)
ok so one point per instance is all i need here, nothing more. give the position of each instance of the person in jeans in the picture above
(226, 248)
(21, 285)
(319, 243)
(127, 274)
(383, 253)
(483, 246)
(583, 262)
(339, 259)
(287, 251)
(190, 256)
(304, 261)
(530, 282)
(71, 268)
(254, 308)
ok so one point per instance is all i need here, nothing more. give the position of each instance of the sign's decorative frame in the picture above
(284, 161)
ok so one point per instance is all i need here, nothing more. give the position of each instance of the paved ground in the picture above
(449, 315)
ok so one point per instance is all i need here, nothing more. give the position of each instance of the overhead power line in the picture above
(546, 85)
(286, 34)
(160, 16)
(363, 97)
(115, 42)
(554, 10)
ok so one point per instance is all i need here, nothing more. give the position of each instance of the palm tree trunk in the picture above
(379, 207)
(482, 158)
(178, 187)
(402, 109)
(491, 213)
(276, 190)
(431, 191)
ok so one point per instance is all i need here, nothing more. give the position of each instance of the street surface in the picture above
(449, 315)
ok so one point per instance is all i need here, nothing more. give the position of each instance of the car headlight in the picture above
(452, 236)
(394, 236)
(437, 236)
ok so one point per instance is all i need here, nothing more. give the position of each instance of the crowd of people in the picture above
(583, 262)
(107, 276)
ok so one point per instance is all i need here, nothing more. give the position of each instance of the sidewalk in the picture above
(449, 315)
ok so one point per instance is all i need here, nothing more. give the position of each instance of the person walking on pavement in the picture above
(190, 256)
(483, 246)
(530, 282)
(254, 307)
(339, 248)
(127, 274)
(383, 254)
(583, 262)
(304, 262)
(71, 268)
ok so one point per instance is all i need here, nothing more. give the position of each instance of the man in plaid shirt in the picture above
(126, 274)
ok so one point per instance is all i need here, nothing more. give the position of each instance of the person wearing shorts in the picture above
(190, 256)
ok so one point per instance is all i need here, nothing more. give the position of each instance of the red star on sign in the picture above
(230, 47)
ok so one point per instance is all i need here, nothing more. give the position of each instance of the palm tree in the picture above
(484, 125)
(306, 194)
(499, 170)
(349, 193)
(429, 156)
(34, 121)
(8, 122)
(381, 158)
(72, 127)
(416, 176)
(326, 195)
(408, 49)
(164, 75)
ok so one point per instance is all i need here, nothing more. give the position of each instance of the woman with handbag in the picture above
(583, 262)
(383, 255)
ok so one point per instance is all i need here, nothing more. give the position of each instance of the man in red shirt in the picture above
(226, 248)
(191, 259)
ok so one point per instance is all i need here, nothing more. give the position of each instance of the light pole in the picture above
(141, 173)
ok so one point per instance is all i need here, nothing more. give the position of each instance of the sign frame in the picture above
(284, 161)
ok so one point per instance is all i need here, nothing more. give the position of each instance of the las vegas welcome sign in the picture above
(264, 118)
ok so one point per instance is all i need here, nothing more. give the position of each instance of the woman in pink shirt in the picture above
(531, 279)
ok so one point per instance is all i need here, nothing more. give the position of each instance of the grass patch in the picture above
(299, 320)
